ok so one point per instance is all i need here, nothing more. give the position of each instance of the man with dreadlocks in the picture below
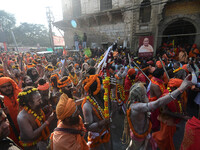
(138, 112)
(33, 74)
(33, 125)
(94, 115)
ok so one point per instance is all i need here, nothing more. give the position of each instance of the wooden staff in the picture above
(164, 68)
(139, 69)
(9, 117)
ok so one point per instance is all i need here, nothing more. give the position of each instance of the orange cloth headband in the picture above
(43, 87)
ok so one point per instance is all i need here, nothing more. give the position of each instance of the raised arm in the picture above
(150, 106)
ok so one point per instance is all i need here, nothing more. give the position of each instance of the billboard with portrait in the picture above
(146, 46)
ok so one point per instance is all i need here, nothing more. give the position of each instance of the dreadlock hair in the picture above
(26, 96)
(135, 94)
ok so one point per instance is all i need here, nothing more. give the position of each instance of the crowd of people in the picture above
(69, 102)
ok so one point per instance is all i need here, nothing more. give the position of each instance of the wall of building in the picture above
(100, 28)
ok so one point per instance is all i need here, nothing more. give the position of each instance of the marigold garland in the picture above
(96, 105)
(91, 80)
(120, 90)
(27, 92)
(106, 84)
(141, 136)
(38, 119)
(49, 68)
(179, 103)
(74, 78)
(176, 70)
(161, 85)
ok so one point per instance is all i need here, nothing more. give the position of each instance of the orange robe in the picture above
(12, 105)
(164, 137)
(66, 141)
(191, 137)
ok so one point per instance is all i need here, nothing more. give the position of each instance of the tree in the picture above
(32, 34)
(7, 21)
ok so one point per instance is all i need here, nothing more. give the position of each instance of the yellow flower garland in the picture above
(27, 92)
(176, 70)
(106, 84)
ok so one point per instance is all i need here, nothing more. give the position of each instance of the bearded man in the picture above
(10, 90)
(32, 122)
(138, 112)
(95, 119)
(69, 133)
(33, 74)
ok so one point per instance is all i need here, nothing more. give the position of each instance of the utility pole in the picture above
(50, 19)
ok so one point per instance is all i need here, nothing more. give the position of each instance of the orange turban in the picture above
(66, 107)
(174, 82)
(131, 71)
(185, 68)
(64, 83)
(43, 87)
(159, 64)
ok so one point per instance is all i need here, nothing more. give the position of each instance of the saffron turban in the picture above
(43, 87)
(62, 83)
(131, 71)
(65, 107)
(174, 82)
(159, 64)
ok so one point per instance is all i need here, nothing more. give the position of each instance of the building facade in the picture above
(104, 21)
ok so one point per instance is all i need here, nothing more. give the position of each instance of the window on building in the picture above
(105, 4)
(145, 11)
(76, 5)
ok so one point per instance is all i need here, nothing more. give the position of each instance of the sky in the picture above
(32, 11)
